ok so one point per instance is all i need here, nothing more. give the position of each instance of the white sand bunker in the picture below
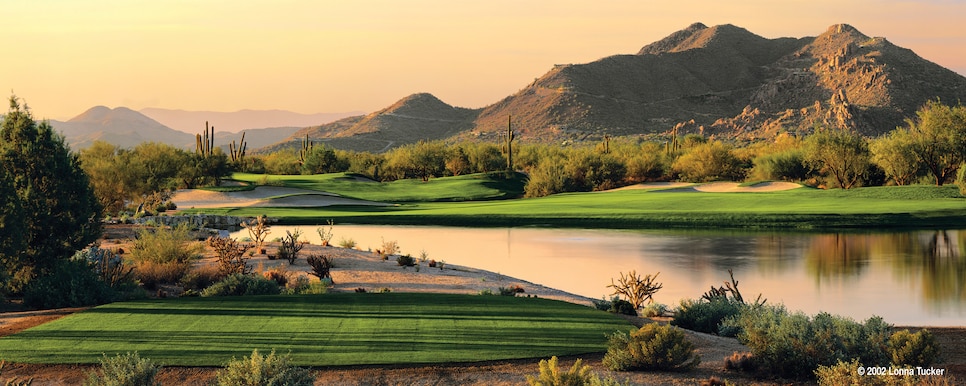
(262, 196)
(714, 187)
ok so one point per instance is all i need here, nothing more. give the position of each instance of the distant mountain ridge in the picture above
(127, 128)
(721, 80)
(235, 122)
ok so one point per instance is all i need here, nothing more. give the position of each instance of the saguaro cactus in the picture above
(238, 152)
(205, 145)
(508, 147)
(306, 149)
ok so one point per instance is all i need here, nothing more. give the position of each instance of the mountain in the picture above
(727, 81)
(722, 80)
(120, 126)
(235, 122)
(409, 120)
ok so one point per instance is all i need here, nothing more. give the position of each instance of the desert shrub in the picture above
(108, 265)
(794, 345)
(485, 292)
(654, 309)
(71, 283)
(124, 370)
(242, 285)
(604, 304)
(347, 243)
(637, 289)
(321, 266)
(787, 165)
(201, 277)
(405, 261)
(623, 307)
(741, 362)
(164, 245)
(258, 230)
(258, 370)
(508, 291)
(845, 373)
(302, 285)
(151, 274)
(15, 381)
(230, 255)
(651, 347)
(913, 349)
(291, 246)
(278, 275)
(550, 374)
(389, 248)
(703, 315)
(325, 235)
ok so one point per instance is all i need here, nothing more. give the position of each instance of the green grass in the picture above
(900, 207)
(472, 187)
(320, 330)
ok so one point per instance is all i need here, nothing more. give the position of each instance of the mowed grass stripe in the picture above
(320, 330)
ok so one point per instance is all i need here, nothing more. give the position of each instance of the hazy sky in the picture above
(65, 56)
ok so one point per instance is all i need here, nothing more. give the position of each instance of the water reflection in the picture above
(912, 278)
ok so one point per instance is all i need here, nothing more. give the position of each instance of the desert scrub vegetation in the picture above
(164, 255)
(325, 235)
(615, 305)
(242, 285)
(913, 349)
(258, 230)
(845, 373)
(795, 345)
(637, 289)
(291, 246)
(230, 255)
(124, 370)
(651, 347)
(258, 370)
(705, 315)
(578, 375)
(321, 266)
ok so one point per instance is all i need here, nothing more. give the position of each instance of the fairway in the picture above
(804, 209)
(320, 330)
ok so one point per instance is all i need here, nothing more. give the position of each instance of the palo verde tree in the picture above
(61, 213)
(939, 138)
(840, 154)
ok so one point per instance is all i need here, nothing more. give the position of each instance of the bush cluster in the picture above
(844, 373)
(794, 345)
(242, 285)
(704, 315)
(71, 283)
(125, 370)
(258, 370)
(616, 305)
(652, 347)
(578, 375)
(913, 349)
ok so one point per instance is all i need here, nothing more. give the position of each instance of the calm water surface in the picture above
(908, 278)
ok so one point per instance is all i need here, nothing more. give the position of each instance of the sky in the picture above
(64, 56)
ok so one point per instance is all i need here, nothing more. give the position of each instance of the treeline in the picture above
(929, 149)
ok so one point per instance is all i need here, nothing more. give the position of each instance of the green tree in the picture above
(939, 138)
(61, 213)
(895, 154)
(707, 161)
(841, 154)
(547, 178)
(321, 159)
(12, 227)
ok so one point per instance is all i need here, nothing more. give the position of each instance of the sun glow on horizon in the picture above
(64, 57)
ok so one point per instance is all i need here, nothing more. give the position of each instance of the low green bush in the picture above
(259, 370)
(913, 349)
(795, 345)
(847, 373)
(578, 375)
(71, 283)
(124, 370)
(704, 315)
(242, 285)
(654, 310)
(652, 347)
(405, 261)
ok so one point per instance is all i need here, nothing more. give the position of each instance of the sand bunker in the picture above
(714, 187)
(263, 196)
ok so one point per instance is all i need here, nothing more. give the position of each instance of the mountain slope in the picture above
(235, 122)
(120, 126)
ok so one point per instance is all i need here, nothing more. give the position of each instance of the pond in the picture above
(915, 278)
